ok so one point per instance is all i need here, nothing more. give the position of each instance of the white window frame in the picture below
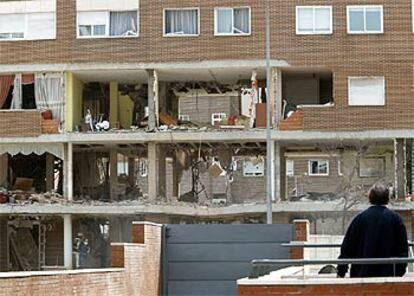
(217, 117)
(164, 34)
(340, 172)
(258, 175)
(107, 24)
(291, 172)
(350, 78)
(216, 33)
(318, 174)
(314, 7)
(25, 28)
(364, 7)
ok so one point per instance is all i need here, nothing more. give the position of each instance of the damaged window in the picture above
(314, 20)
(318, 168)
(372, 167)
(232, 21)
(183, 22)
(253, 167)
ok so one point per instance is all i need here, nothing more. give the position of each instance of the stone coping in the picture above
(293, 276)
(20, 274)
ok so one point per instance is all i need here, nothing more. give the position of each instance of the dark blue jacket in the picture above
(375, 233)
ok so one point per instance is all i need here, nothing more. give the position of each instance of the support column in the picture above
(50, 172)
(67, 241)
(152, 100)
(4, 163)
(152, 171)
(400, 168)
(113, 174)
(162, 169)
(277, 172)
(113, 103)
(68, 172)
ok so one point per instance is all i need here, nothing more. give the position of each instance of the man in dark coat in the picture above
(375, 233)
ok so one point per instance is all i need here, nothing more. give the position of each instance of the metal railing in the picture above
(261, 267)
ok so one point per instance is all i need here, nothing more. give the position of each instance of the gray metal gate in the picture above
(208, 259)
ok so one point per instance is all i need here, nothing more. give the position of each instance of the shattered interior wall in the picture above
(201, 108)
(54, 242)
(337, 183)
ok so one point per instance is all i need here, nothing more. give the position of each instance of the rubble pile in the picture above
(22, 197)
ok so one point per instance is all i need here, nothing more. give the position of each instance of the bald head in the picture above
(379, 194)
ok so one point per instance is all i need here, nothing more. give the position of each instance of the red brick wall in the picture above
(302, 232)
(20, 123)
(389, 289)
(138, 273)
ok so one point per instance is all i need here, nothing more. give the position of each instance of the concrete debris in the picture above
(22, 197)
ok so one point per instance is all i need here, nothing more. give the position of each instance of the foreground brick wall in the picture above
(136, 271)
(389, 289)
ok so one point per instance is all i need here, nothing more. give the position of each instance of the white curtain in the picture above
(181, 22)
(241, 20)
(27, 149)
(49, 94)
(17, 100)
(123, 23)
(224, 21)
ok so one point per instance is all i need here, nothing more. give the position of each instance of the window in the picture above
(366, 91)
(232, 21)
(181, 22)
(371, 167)
(290, 168)
(340, 172)
(143, 168)
(27, 26)
(365, 19)
(253, 168)
(313, 20)
(218, 118)
(318, 168)
(107, 24)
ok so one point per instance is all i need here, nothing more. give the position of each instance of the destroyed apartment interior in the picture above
(224, 178)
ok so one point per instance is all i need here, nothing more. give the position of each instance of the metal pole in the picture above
(269, 144)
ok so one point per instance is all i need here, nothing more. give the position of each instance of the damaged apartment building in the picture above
(114, 111)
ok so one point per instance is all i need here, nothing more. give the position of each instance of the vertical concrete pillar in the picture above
(152, 100)
(67, 241)
(277, 172)
(113, 174)
(50, 172)
(400, 168)
(4, 163)
(68, 171)
(162, 169)
(113, 103)
(152, 171)
(176, 176)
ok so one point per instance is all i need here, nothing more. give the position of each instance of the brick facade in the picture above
(136, 272)
(397, 289)
(390, 54)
